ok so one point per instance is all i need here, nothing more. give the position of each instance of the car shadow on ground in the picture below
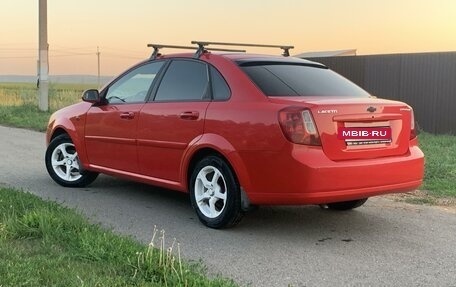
(283, 222)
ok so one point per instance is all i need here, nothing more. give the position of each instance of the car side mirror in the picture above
(91, 96)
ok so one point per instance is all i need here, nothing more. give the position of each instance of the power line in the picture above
(68, 53)
(111, 55)
(19, 57)
(71, 50)
(125, 50)
(17, 49)
(19, 44)
(71, 55)
(51, 56)
(74, 48)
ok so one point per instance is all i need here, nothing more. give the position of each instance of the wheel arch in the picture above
(78, 140)
(62, 164)
(199, 155)
(214, 145)
(58, 132)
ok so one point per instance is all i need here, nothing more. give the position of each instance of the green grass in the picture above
(45, 244)
(440, 170)
(18, 103)
(26, 116)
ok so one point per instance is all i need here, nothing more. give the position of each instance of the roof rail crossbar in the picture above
(285, 48)
(226, 50)
(202, 48)
(157, 47)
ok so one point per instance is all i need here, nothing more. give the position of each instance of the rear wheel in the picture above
(215, 193)
(346, 205)
(63, 165)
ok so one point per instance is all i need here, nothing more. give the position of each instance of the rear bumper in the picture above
(309, 177)
(330, 196)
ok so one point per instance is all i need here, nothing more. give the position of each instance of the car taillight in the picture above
(413, 131)
(298, 126)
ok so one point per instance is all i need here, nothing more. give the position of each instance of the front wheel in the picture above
(215, 193)
(62, 164)
(347, 205)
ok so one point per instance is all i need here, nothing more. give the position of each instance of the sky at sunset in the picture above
(123, 28)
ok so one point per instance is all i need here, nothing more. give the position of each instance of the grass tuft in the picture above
(45, 244)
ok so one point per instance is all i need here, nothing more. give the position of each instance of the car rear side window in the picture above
(220, 89)
(134, 86)
(183, 81)
(301, 80)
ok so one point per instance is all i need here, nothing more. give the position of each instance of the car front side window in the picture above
(134, 86)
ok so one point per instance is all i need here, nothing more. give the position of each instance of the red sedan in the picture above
(236, 130)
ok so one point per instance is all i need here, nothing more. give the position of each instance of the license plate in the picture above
(364, 135)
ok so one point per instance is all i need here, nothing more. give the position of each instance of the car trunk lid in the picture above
(333, 115)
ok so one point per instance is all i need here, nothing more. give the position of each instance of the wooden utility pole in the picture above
(98, 58)
(43, 69)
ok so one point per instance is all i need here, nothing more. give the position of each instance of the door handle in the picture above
(127, 115)
(193, 115)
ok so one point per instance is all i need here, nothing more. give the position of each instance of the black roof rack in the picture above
(157, 47)
(202, 46)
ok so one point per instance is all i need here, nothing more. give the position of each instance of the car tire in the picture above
(63, 165)
(346, 205)
(215, 193)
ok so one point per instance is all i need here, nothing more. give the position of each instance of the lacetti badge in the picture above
(364, 135)
(327, 111)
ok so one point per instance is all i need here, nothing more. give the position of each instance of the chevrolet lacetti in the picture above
(237, 130)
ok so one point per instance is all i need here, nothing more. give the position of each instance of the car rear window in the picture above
(300, 80)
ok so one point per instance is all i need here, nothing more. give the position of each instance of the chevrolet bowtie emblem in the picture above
(371, 109)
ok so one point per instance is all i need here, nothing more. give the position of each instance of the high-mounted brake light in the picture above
(298, 126)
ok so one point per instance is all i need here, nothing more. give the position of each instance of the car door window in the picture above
(134, 86)
(184, 81)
